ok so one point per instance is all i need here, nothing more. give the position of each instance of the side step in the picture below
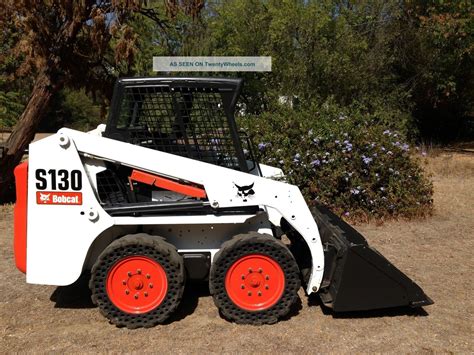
(356, 276)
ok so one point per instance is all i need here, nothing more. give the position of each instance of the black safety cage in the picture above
(190, 117)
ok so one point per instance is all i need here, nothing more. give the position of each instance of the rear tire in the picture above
(138, 281)
(254, 279)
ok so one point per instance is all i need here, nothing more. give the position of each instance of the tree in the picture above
(79, 44)
(435, 57)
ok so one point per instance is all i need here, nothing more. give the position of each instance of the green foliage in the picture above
(435, 57)
(320, 49)
(80, 111)
(10, 108)
(343, 158)
(74, 109)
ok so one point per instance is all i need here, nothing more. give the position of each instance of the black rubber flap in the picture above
(356, 276)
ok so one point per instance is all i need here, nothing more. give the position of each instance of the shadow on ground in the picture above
(314, 300)
(78, 295)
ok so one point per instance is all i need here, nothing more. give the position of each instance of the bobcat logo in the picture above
(44, 197)
(244, 191)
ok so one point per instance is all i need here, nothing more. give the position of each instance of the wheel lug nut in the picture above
(124, 282)
(260, 270)
(242, 287)
(249, 293)
(150, 285)
(129, 273)
(127, 292)
(139, 271)
(148, 276)
(259, 293)
(145, 294)
(243, 277)
(266, 287)
(136, 296)
(267, 277)
(250, 269)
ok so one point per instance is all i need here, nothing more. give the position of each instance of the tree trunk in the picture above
(24, 131)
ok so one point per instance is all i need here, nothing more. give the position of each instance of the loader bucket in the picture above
(356, 276)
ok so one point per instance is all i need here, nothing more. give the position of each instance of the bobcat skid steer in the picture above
(169, 190)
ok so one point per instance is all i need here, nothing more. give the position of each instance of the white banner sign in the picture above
(250, 64)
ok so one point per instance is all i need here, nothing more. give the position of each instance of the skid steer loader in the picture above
(170, 190)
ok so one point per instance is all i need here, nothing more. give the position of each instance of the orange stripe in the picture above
(167, 184)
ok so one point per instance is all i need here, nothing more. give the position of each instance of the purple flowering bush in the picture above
(346, 160)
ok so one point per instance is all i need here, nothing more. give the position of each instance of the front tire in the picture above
(138, 281)
(254, 279)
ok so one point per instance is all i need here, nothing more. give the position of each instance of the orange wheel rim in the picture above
(136, 284)
(255, 282)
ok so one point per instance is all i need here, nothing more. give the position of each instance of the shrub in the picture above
(343, 158)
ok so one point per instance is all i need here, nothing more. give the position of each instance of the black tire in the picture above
(148, 247)
(251, 244)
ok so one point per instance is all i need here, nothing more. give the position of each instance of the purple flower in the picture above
(337, 141)
(348, 145)
(316, 140)
(262, 146)
(366, 160)
(387, 131)
(346, 213)
(355, 191)
(405, 147)
(315, 163)
(423, 153)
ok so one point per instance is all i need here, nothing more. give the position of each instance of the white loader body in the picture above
(62, 234)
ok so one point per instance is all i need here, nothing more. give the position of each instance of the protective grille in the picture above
(185, 121)
(111, 190)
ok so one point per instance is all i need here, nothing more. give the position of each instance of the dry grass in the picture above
(442, 163)
(436, 252)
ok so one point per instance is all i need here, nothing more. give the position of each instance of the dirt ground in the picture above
(435, 252)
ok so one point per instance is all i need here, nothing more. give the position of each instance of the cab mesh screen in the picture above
(185, 121)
